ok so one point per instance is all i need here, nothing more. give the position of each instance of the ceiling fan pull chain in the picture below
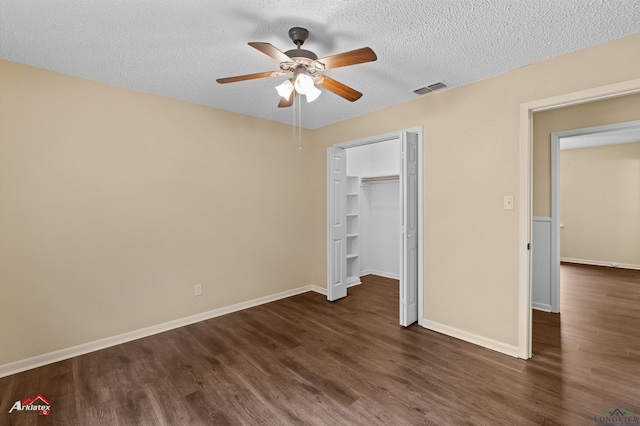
(299, 124)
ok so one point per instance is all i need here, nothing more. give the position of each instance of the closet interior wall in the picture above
(378, 238)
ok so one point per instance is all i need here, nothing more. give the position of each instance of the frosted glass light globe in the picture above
(313, 93)
(285, 89)
(304, 84)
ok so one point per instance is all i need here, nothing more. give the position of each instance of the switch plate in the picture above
(198, 290)
(508, 202)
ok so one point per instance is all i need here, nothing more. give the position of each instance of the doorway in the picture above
(525, 191)
(602, 180)
(608, 137)
(343, 219)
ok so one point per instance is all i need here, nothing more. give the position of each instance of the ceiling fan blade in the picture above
(358, 56)
(249, 77)
(270, 50)
(338, 88)
(285, 103)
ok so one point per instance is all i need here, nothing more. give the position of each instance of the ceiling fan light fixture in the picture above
(285, 89)
(313, 93)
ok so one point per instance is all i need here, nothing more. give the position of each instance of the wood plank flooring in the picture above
(303, 360)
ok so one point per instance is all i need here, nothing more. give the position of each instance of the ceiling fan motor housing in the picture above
(301, 54)
(301, 58)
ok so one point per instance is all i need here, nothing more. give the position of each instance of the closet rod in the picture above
(379, 178)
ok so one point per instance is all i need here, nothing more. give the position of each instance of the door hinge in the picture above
(528, 246)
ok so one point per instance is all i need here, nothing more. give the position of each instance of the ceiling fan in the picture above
(306, 69)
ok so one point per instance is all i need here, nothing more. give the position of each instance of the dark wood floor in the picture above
(303, 360)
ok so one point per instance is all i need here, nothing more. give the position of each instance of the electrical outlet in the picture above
(508, 202)
(198, 290)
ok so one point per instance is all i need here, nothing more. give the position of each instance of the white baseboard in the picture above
(318, 289)
(541, 306)
(323, 290)
(66, 353)
(390, 275)
(600, 263)
(471, 338)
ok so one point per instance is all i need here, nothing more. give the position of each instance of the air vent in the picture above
(430, 88)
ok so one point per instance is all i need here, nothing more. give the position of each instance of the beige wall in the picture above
(115, 203)
(600, 210)
(600, 113)
(471, 161)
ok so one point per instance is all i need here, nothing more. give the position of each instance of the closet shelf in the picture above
(352, 225)
(379, 178)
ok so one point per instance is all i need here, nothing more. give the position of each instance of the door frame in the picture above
(556, 142)
(525, 190)
(398, 135)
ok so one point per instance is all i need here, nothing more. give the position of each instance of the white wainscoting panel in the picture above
(541, 264)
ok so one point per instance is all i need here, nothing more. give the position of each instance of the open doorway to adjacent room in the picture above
(585, 231)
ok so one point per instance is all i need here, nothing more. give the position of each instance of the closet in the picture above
(373, 210)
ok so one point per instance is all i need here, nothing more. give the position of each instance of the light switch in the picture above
(508, 202)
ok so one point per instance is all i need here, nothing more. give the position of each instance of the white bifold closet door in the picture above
(409, 243)
(337, 227)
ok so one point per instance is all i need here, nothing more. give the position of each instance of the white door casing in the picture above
(409, 234)
(337, 226)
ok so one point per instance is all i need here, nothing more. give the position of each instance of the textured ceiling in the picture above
(177, 48)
